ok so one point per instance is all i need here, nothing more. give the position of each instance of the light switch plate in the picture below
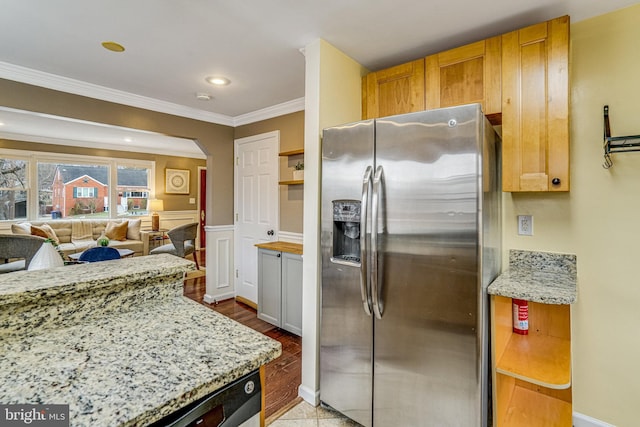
(525, 225)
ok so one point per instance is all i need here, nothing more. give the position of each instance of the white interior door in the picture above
(256, 206)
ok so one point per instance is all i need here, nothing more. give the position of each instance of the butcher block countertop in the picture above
(292, 248)
(117, 341)
(544, 277)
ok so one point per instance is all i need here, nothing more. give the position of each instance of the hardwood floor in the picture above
(283, 375)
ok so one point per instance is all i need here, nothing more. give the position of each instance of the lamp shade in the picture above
(155, 205)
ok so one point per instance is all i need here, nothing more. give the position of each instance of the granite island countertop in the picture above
(544, 277)
(124, 362)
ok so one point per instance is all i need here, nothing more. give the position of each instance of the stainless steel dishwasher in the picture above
(236, 404)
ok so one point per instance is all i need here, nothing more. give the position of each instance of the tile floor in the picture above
(305, 415)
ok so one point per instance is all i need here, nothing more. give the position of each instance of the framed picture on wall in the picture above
(176, 181)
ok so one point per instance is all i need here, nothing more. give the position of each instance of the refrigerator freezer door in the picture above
(428, 353)
(346, 334)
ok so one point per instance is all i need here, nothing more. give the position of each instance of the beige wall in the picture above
(172, 202)
(291, 127)
(332, 97)
(216, 141)
(599, 219)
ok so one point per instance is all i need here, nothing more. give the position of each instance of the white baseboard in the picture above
(209, 299)
(581, 420)
(309, 396)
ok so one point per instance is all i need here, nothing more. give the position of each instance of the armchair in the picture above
(183, 242)
(18, 246)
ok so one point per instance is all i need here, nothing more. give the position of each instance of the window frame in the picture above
(34, 157)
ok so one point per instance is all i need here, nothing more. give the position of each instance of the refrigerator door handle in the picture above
(376, 288)
(364, 270)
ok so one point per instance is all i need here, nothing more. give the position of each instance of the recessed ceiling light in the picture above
(203, 96)
(113, 46)
(218, 81)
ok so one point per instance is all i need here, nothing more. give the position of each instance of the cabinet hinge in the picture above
(236, 274)
(237, 161)
(236, 217)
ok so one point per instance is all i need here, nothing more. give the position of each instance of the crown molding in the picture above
(90, 90)
(270, 112)
(77, 87)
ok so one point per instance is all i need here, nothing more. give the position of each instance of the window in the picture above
(73, 189)
(85, 192)
(140, 194)
(14, 186)
(72, 186)
(133, 190)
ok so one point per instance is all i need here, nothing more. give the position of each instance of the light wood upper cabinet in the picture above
(465, 75)
(522, 81)
(395, 90)
(535, 107)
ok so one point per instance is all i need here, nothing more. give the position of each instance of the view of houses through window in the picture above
(14, 185)
(76, 188)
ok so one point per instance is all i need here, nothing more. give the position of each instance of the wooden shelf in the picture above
(292, 248)
(291, 182)
(291, 153)
(538, 359)
(526, 408)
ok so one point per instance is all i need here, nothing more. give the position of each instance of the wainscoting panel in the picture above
(220, 283)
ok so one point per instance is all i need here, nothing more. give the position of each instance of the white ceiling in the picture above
(172, 45)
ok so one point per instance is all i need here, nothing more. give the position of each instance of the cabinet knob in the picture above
(270, 233)
(555, 181)
(278, 255)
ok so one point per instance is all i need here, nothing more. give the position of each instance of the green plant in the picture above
(103, 240)
(299, 166)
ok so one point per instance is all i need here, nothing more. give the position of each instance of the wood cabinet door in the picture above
(395, 90)
(465, 75)
(535, 107)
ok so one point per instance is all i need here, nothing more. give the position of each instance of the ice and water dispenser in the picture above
(346, 231)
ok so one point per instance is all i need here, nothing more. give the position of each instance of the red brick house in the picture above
(81, 190)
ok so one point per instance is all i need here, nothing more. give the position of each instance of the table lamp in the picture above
(155, 205)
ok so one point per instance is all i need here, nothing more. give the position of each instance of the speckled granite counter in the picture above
(543, 277)
(140, 352)
(66, 295)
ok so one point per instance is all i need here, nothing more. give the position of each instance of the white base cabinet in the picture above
(280, 289)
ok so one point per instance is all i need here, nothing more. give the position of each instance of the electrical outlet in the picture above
(192, 200)
(525, 225)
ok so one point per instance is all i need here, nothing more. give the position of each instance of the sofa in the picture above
(76, 235)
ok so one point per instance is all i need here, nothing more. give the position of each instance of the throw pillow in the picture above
(45, 231)
(51, 233)
(133, 231)
(116, 231)
(21, 228)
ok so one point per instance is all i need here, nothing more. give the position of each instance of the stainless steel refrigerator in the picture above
(410, 241)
